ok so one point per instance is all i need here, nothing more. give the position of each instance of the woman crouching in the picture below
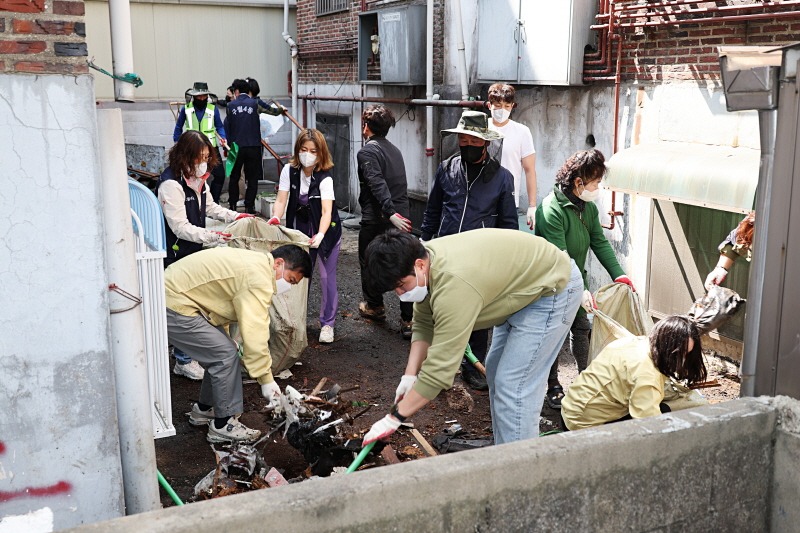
(626, 379)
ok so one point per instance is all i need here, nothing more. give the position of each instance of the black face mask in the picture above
(472, 154)
(199, 103)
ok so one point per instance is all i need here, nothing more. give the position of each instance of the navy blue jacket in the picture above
(242, 123)
(334, 232)
(195, 214)
(455, 206)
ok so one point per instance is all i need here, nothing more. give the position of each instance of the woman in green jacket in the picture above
(568, 218)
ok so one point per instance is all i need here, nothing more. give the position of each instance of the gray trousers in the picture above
(216, 352)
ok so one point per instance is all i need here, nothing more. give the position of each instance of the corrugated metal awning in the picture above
(717, 177)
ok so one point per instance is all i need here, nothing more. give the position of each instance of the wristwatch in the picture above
(396, 414)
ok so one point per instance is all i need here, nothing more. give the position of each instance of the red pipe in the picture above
(674, 3)
(717, 20)
(602, 13)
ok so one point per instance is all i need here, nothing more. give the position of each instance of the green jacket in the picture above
(560, 222)
(477, 280)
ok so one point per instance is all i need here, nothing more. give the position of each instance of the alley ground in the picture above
(367, 354)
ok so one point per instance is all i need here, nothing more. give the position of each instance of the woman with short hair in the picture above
(568, 218)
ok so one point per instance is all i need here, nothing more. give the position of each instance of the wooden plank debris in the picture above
(430, 450)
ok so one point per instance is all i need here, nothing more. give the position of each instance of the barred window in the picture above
(325, 7)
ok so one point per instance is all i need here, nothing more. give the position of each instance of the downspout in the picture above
(429, 94)
(462, 52)
(293, 48)
(119, 15)
(617, 82)
(137, 449)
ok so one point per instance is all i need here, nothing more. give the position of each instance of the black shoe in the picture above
(405, 330)
(554, 396)
(473, 377)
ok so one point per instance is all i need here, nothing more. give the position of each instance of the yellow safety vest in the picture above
(206, 126)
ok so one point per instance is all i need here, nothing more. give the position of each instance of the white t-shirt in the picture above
(325, 186)
(517, 145)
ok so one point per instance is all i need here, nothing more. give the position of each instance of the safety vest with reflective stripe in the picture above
(206, 125)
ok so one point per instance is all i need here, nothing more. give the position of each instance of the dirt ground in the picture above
(367, 354)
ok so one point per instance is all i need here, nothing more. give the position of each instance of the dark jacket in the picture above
(334, 232)
(455, 206)
(242, 123)
(195, 214)
(382, 177)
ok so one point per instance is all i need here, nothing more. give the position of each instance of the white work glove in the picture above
(400, 222)
(220, 238)
(716, 277)
(588, 303)
(316, 240)
(381, 429)
(531, 217)
(406, 384)
(272, 392)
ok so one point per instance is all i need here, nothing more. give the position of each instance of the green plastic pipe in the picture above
(168, 489)
(360, 458)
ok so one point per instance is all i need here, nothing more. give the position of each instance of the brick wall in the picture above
(688, 51)
(328, 44)
(42, 37)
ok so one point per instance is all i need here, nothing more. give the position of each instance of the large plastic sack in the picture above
(679, 396)
(715, 308)
(619, 313)
(287, 314)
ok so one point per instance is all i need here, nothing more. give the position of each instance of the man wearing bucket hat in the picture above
(201, 115)
(471, 191)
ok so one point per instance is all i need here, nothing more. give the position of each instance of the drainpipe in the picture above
(134, 412)
(429, 93)
(293, 48)
(617, 81)
(767, 124)
(119, 15)
(462, 52)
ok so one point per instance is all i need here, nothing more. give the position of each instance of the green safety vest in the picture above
(206, 125)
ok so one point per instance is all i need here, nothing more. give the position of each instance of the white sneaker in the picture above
(191, 370)
(234, 431)
(240, 203)
(326, 335)
(200, 418)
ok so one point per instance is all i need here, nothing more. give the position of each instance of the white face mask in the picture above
(281, 284)
(417, 294)
(201, 170)
(307, 159)
(589, 196)
(500, 115)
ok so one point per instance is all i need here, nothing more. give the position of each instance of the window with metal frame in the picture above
(326, 7)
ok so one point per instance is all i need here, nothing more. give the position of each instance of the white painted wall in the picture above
(59, 428)
(177, 44)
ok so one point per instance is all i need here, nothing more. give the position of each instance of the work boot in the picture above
(374, 313)
(233, 431)
(405, 329)
(473, 377)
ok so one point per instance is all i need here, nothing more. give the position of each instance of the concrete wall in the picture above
(59, 440)
(710, 469)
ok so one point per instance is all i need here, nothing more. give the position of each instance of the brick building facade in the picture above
(41, 37)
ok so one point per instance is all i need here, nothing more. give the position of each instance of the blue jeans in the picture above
(180, 357)
(523, 349)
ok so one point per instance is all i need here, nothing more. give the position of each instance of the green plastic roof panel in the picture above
(718, 177)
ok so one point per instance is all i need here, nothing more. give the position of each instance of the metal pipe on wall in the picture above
(478, 104)
(429, 93)
(137, 449)
(119, 15)
(462, 52)
(293, 49)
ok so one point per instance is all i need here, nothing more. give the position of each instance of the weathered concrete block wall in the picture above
(785, 512)
(708, 469)
(59, 440)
